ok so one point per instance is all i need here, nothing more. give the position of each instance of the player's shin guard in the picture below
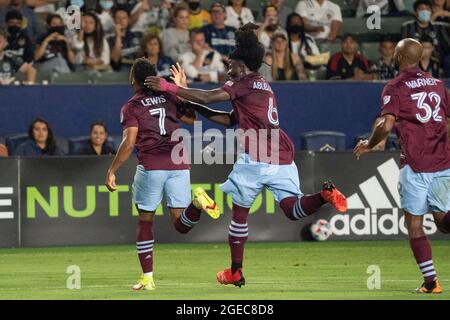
(237, 236)
(144, 245)
(188, 219)
(422, 252)
(297, 208)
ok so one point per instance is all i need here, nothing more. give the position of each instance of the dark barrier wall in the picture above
(349, 107)
(62, 201)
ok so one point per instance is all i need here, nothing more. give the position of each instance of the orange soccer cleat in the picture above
(226, 277)
(334, 197)
(434, 287)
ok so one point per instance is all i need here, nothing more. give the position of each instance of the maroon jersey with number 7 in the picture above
(421, 106)
(156, 116)
(255, 109)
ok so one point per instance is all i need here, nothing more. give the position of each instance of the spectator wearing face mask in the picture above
(429, 62)
(19, 44)
(105, 14)
(198, 17)
(54, 51)
(32, 27)
(299, 41)
(438, 31)
(269, 26)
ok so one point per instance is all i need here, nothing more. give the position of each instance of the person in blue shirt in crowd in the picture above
(219, 36)
(151, 48)
(41, 141)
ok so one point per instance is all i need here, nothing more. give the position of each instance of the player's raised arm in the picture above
(382, 127)
(124, 152)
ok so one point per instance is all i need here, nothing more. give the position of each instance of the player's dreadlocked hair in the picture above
(141, 69)
(248, 49)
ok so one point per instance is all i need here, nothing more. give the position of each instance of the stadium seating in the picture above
(322, 141)
(358, 27)
(111, 77)
(80, 142)
(392, 142)
(370, 50)
(14, 140)
(79, 77)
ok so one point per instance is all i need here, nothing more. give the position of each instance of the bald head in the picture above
(408, 53)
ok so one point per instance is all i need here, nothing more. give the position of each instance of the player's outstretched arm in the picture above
(382, 127)
(195, 95)
(124, 152)
(220, 117)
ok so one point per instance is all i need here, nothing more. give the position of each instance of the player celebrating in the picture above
(254, 108)
(148, 120)
(419, 107)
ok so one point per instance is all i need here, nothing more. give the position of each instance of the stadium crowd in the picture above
(35, 38)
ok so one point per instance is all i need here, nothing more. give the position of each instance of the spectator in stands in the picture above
(348, 64)
(440, 11)
(269, 26)
(283, 11)
(41, 141)
(201, 63)
(299, 41)
(129, 4)
(429, 62)
(3, 149)
(99, 144)
(385, 67)
(322, 18)
(54, 50)
(176, 40)
(285, 65)
(219, 36)
(198, 17)
(33, 27)
(387, 7)
(147, 17)
(124, 44)
(19, 44)
(10, 65)
(42, 8)
(105, 15)
(238, 14)
(90, 45)
(423, 25)
(151, 48)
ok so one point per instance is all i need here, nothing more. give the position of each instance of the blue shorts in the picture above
(149, 186)
(249, 177)
(421, 193)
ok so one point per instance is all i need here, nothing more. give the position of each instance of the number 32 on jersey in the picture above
(431, 112)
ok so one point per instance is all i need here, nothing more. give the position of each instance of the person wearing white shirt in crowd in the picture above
(385, 8)
(322, 18)
(269, 26)
(202, 63)
(145, 15)
(238, 14)
(105, 14)
(90, 45)
(176, 39)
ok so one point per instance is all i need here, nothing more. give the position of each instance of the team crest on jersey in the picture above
(229, 83)
(386, 99)
(121, 116)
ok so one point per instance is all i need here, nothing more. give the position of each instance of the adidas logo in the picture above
(378, 203)
(6, 203)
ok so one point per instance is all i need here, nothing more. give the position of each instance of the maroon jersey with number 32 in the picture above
(255, 107)
(421, 105)
(156, 117)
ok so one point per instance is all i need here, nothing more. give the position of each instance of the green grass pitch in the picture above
(303, 270)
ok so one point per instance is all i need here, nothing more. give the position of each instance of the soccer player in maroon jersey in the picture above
(418, 105)
(254, 109)
(148, 120)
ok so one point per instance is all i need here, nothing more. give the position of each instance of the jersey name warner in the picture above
(417, 83)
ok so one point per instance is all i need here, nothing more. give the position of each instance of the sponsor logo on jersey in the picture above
(386, 99)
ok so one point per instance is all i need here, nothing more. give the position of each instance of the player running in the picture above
(254, 108)
(418, 105)
(148, 120)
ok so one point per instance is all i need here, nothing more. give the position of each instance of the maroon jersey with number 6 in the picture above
(255, 109)
(156, 116)
(421, 105)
